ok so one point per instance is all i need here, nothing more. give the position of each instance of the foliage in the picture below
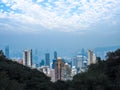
(14, 76)
(104, 75)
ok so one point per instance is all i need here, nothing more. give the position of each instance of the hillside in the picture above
(14, 76)
(104, 75)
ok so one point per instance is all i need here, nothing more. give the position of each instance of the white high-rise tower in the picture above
(91, 57)
(27, 58)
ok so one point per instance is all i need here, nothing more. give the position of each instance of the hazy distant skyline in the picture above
(59, 24)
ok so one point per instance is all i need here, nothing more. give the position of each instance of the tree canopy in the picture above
(104, 75)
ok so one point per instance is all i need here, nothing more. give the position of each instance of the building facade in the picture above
(47, 59)
(27, 58)
(55, 55)
(54, 60)
(91, 57)
(59, 65)
(79, 62)
(66, 72)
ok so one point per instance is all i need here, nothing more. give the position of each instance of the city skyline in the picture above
(59, 25)
(60, 44)
(40, 54)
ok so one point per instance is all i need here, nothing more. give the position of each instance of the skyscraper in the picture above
(7, 51)
(74, 61)
(55, 55)
(54, 60)
(91, 57)
(66, 71)
(53, 64)
(83, 52)
(59, 65)
(79, 63)
(42, 63)
(47, 59)
(27, 58)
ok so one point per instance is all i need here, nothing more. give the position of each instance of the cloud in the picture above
(62, 15)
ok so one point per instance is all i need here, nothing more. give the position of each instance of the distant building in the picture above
(79, 62)
(42, 63)
(45, 70)
(53, 64)
(27, 58)
(94, 59)
(66, 72)
(73, 71)
(55, 55)
(59, 64)
(52, 75)
(62, 70)
(74, 61)
(47, 59)
(54, 60)
(91, 57)
(82, 52)
(20, 61)
(84, 67)
(7, 51)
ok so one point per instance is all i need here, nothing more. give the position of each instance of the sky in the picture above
(66, 25)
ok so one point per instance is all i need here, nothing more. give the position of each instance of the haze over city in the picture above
(65, 26)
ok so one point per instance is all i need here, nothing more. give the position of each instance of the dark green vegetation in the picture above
(104, 75)
(14, 76)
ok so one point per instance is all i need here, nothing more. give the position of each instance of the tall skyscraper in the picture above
(53, 64)
(73, 71)
(7, 51)
(79, 63)
(59, 65)
(47, 59)
(91, 57)
(54, 60)
(82, 52)
(74, 61)
(27, 58)
(55, 55)
(66, 71)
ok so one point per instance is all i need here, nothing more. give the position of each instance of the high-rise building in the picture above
(91, 57)
(55, 55)
(94, 59)
(66, 72)
(74, 61)
(47, 59)
(53, 64)
(52, 75)
(84, 63)
(79, 63)
(82, 52)
(54, 60)
(7, 51)
(45, 70)
(27, 58)
(73, 71)
(42, 63)
(59, 64)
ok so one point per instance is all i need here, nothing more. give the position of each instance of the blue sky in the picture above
(56, 24)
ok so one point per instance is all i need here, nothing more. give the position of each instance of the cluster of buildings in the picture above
(59, 68)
